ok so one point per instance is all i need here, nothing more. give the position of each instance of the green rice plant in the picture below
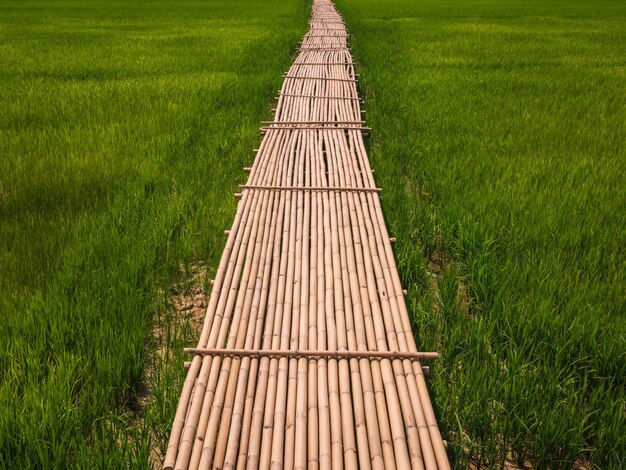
(499, 132)
(124, 127)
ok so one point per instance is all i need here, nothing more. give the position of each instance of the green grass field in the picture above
(499, 140)
(124, 129)
(499, 131)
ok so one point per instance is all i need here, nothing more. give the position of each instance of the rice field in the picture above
(499, 131)
(499, 139)
(124, 128)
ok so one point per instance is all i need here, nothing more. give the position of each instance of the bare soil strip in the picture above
(308, 273)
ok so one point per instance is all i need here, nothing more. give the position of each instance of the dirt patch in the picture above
(437, 263)
(184, 312)
(189, 299)
(435, 268)
(186, 302)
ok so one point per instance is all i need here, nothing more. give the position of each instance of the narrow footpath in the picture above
(306, 359)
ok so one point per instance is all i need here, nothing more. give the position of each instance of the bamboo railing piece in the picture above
(306, 358)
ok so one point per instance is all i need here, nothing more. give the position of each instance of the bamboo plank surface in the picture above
(306, 359)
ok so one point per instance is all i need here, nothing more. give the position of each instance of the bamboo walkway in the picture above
(307, 358)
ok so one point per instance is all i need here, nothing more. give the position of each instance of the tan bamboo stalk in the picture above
(377, 340)
(271, 334)
(345, 322)
(439, 448)
(266, 339)
(271, 276)
(354, 324)
(234, 401)
(331, 340)
(325, 446)
(336, 309)
(239, 421)
(312, 412)
(312, 353)
(203, 447)
(199, 364)
(217, 325)
(331, 270)
(301, 413)
(285, 455)
(275, 395)
(272, 451)
(262, 420)
(232, 444)
(217, 337)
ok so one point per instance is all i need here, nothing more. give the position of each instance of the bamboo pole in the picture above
(252, 400)
(311, 353)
